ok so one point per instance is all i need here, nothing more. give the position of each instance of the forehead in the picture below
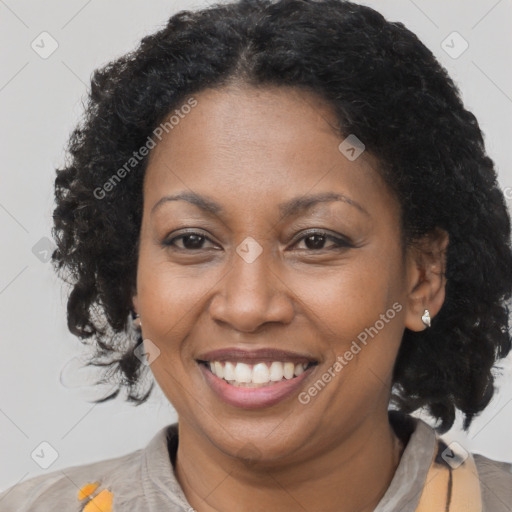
(254, 145)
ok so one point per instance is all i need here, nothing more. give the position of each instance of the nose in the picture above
(252, 294)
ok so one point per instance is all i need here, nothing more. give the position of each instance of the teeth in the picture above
(260, 374)
(289, 369)
(242, 374)
(298, 369)
(219, 370)
(229, 371)
(276, 371)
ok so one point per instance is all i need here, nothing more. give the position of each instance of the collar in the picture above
(420, 459)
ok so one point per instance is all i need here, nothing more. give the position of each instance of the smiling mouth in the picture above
(260, 374)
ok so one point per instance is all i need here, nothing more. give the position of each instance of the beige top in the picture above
(144, 480)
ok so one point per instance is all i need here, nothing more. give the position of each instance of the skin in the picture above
(250, 149)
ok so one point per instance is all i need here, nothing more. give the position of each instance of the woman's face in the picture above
(258, 276)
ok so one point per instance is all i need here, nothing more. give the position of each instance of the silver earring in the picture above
(425, 318)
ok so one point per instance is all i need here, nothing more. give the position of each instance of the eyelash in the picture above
(339, 243)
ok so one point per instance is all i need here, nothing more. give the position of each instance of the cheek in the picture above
(169, 294)
(165, 298)
(358, 312)
(169, 303)
(349, 298)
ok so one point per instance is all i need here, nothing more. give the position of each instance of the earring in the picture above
(425, 318)
(136, 321)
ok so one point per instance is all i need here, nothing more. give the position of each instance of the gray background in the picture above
(40, 101)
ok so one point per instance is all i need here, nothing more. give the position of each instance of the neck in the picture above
(352, 474)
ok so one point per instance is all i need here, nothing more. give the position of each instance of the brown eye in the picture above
(190, 241)
(316, 240)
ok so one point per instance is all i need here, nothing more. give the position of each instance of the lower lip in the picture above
(253, 398)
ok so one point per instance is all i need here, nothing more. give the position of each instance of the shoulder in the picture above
(60, 488)
(495, 483)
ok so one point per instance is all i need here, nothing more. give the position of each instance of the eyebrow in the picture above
(287, 209)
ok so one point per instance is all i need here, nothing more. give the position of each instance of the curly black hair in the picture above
(385, 87)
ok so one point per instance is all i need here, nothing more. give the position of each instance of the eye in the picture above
(190, 241)
(315, 240)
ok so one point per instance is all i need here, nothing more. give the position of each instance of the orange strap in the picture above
(452, 483)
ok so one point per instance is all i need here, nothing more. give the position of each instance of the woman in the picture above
(291, 202)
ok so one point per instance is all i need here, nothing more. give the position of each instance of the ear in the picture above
(135, 303)
(426, 279)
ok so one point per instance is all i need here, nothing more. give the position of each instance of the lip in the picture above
(253, 398)
(257, 355)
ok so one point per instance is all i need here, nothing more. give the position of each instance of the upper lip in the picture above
(256, 355)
